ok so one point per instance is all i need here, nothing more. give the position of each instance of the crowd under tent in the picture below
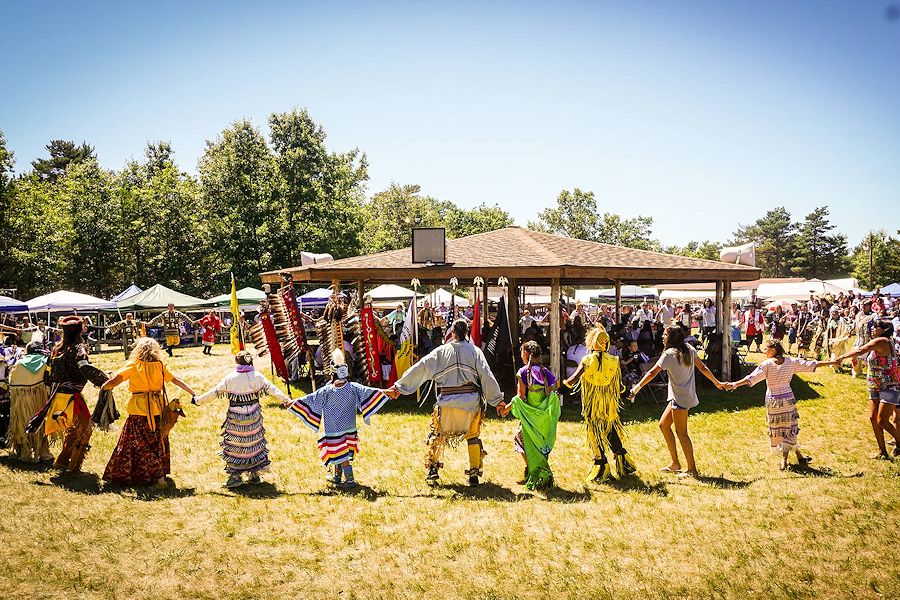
(797, 291)
(159, 296)
(522, 257)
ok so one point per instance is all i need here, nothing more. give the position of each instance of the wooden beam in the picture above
(555, 350)
(726, 331)
(618, 302)
(360, 292)
(720, 314)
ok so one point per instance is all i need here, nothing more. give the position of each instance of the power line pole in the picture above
(871, 281)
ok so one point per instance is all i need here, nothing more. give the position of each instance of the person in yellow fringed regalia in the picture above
(601, 389)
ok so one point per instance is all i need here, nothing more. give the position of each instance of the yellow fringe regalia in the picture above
(601, 388)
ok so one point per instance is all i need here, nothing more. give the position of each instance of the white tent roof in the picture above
(315, 298)
(442, 295)
(848, 283)
(131, 290)
(701, 294)
(797, 291)
(64, 300)
(388, 292)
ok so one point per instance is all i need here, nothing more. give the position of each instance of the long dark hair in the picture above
(675, 339)
(886, 327)
(71, 337)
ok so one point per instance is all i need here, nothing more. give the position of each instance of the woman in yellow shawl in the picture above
(142, 455)
(601, 389)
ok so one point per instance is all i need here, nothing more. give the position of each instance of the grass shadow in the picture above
(150, 494)
(485, 491)
(558, 494)
(806, 470)
(258, 491)
(723, 483)
(634, 483)
(359, 491)
(26, 467)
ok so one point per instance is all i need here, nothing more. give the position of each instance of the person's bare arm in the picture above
(647, 378)
(183, 386)
(707, 373)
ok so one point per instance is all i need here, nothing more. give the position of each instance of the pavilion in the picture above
(527, 257)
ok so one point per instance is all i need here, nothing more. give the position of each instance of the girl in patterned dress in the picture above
(883, 383)
(781, 406)
(244, 447)
(334, 408)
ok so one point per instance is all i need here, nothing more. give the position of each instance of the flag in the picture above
(476, 321)
(407, 341)
(237, 340)
(498, 344)
(371, 345)
(451, 316)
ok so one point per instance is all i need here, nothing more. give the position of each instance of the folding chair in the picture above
(656, 388)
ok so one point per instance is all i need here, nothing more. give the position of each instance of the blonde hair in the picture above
(146, 350)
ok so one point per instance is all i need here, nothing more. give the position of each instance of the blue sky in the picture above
(702, 115)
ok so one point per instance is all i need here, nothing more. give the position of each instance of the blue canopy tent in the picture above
(892, 289)
(317, 298)
(11, 305)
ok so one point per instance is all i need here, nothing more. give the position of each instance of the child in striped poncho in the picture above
(333, 407)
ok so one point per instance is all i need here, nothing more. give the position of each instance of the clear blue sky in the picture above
(702, 115)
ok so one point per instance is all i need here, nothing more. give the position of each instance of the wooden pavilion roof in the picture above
(524, 255)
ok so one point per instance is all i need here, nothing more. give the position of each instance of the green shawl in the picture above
(539, 415)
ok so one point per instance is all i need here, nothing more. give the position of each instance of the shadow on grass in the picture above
(485, 491)
(723, 483)
(91, 484)
(258, 491)
(25, 467)
(633, 483)
(807, 470)
(359, 491)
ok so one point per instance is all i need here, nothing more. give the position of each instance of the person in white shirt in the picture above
(707, 319)
(644, 313)
(666, 313)
(526, 321)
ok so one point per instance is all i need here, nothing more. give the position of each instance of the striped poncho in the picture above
(333, 409)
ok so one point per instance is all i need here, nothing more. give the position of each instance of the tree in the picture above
(820, 255)
(776, 241)
(239, 183)
(885, 260)
(320, 193)
(7, 196)
(391, 214)
(706, 249)
(63, 153)
(576, 216)
(461, 222)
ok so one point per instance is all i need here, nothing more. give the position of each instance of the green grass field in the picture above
(743, 530)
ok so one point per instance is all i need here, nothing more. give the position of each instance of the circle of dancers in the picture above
(47, 403)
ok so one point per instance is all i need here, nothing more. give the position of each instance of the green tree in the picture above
(776, 242)
(820, 254)
(62, 154)
(576, 216)
(885, 260)
(238, 177)
(320, 193)
(7, 196)
(391, 214)
(461, 222)
(164, 237)
(706, 249)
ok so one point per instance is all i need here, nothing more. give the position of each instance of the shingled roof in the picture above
(525, 255)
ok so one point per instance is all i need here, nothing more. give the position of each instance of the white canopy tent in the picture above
(441, 295)
(701, 295)
(66, 301)
(389, 295)
(317, 298)
(797, 291)
(131, 290)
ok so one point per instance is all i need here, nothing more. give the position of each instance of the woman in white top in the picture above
(679, 361)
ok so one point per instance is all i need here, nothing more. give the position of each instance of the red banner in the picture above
(371, 344)
(274, 347)
(289, 297)
(475, 333)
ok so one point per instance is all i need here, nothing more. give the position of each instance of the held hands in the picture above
(503, 409)
(392, 393)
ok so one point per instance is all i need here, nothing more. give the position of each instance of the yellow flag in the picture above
(237, 340)
(403, 359)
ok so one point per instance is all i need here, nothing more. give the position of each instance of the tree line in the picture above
(810, 248)
(258, 200)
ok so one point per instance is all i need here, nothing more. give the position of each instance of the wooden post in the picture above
(360, 292)
(618, 302)
(720, 314)
(512, 313)
(726, 331)
(555, 353)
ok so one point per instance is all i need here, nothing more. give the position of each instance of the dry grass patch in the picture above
(743, 530)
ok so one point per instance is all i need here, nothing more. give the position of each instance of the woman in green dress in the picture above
(537, 407)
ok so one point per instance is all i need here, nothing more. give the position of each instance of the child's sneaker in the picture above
(234, 481)
(334, 477)
(254, 479)
(433, 474)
